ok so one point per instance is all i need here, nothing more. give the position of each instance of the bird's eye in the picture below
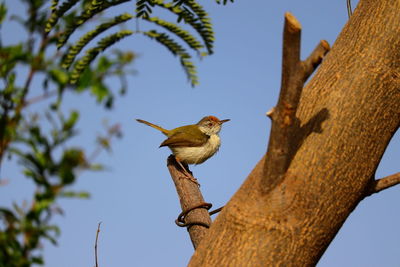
(209, 124)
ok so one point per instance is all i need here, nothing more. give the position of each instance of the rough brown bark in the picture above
(198, 220)
(347, 115)
(285, 125)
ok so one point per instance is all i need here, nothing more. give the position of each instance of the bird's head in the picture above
(210, 125)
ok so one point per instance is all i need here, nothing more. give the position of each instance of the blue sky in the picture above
(134, 197)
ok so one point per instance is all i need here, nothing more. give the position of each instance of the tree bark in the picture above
(195, 214)
(347, 114)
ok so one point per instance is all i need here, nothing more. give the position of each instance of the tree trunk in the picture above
(348, 113)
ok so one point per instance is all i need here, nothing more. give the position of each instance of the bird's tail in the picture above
(164, 131)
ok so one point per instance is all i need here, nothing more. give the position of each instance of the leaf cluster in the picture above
(52, 174)
(60, 57)
(174, 36)
(38, 139)
(190, 30)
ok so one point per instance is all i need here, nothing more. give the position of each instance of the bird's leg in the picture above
(187, 172)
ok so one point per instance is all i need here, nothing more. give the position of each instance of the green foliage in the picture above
(224, 1)
(194, 14)
(144, 8)
(85, 39)
(187, 13)
(94, 8)
(54, 4)
(177, 50)
(186, 36)
(92, 53)
(10, 56)
(3, 12)
(36, 152)
(38, 139)
(58, 12)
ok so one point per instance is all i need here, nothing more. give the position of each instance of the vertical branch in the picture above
(285, 125)
(95, 245)
(290, 59)
(197, 218)
(349, 9)
(283, 114)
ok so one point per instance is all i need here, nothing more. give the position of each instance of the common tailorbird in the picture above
(192, 144)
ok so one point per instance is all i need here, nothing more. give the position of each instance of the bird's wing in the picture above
(185, 139)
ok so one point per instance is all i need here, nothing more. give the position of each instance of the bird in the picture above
(192, 144)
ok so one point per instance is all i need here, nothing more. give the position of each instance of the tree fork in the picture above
(285, 125)
(346, 115)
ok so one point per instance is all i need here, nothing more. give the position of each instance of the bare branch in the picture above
(290, 58)
(384, 183)
(349, 9)
(95, 244)
(313, 61)
(197, 219)
(285, 126)
(39, 98)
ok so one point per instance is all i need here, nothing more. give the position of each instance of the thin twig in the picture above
(41, 97)
(384, 183)
(95, 244)
(32, 71)
(112, 131)
(349, 9)
(216, 210)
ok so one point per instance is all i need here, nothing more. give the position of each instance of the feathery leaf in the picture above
(198, 19)
(178, 50)
(92, 53)
(143, 8)
(54, 4)
(95, 7)
(74, 50)
(58, 13)
(178, 31)
(205, 30)
(224, 2)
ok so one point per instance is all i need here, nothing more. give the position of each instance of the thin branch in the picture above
(95, 244)
(313, 61)
(197, 219)
(384, 183)
(285, 125)
(349, 9)
(290, 59)
(28, 80)
(41, 97)
(32, 71)
(114, 130)
(283, 115)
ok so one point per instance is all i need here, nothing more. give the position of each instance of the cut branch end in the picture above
(284, 122)
(270, 113)
(315, 58)
(292, 24)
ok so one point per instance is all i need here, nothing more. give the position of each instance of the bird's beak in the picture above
(222, 121)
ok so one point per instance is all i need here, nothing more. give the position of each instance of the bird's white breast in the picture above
(199, 154)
